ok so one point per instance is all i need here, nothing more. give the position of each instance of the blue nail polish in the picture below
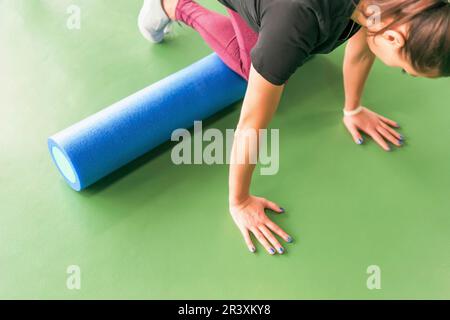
(282, 210)
(402, 138)
(289, 239)
(272, 250)
(401, 142)
(281, 250)
(360, 141)
(252, 249)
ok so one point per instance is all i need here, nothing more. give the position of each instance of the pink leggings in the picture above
(230, 37)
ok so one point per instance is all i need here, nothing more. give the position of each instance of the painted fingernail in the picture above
(400, 142)
(271, 250)
(402, 138)
(289, 239)
(280, 249)
(282, 210)
(360, 141)
(252, 249)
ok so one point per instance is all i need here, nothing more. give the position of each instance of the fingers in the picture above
(355, 133)
(378, 127)
(387, 135)
(392, 131)
(248, 240)
(272, 226)
(273, 206)
(388, 121)
(269, 236)
(258, 234)
(379, 139)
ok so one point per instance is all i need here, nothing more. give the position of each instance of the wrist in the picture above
(352, 105)
(353, 112)
(235, 200)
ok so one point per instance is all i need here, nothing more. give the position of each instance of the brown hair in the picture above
(428, 41)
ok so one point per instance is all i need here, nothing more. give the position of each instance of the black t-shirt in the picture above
(291, 30)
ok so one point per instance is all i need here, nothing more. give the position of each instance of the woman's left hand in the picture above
(376, 126)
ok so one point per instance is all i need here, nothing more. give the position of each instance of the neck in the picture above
(359, 18)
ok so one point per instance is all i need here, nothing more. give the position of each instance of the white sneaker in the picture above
(153, 21)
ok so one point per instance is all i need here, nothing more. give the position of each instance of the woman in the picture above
(266, 41)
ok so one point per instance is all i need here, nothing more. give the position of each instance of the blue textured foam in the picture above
(111, 138)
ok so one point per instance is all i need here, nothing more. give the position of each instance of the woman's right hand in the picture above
(250, 217)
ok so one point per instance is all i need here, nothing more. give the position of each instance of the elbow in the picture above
(252, 121)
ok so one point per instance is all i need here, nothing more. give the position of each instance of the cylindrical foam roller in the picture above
(91, 149)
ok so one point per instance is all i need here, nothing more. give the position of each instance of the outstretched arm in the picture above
(260, 103)
(358, 62)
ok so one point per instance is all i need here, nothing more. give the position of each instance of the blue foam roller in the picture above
(100, 144)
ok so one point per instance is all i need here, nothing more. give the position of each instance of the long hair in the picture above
(428, 40)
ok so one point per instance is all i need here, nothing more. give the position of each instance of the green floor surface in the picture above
(156, 230)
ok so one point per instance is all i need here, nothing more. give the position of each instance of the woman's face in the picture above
(388, 47)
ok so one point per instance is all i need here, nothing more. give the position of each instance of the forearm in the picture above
(358, 62)
(259, 106)
(244, 156)
(239, 182)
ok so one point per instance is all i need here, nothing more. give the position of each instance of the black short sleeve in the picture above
(288, 34)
